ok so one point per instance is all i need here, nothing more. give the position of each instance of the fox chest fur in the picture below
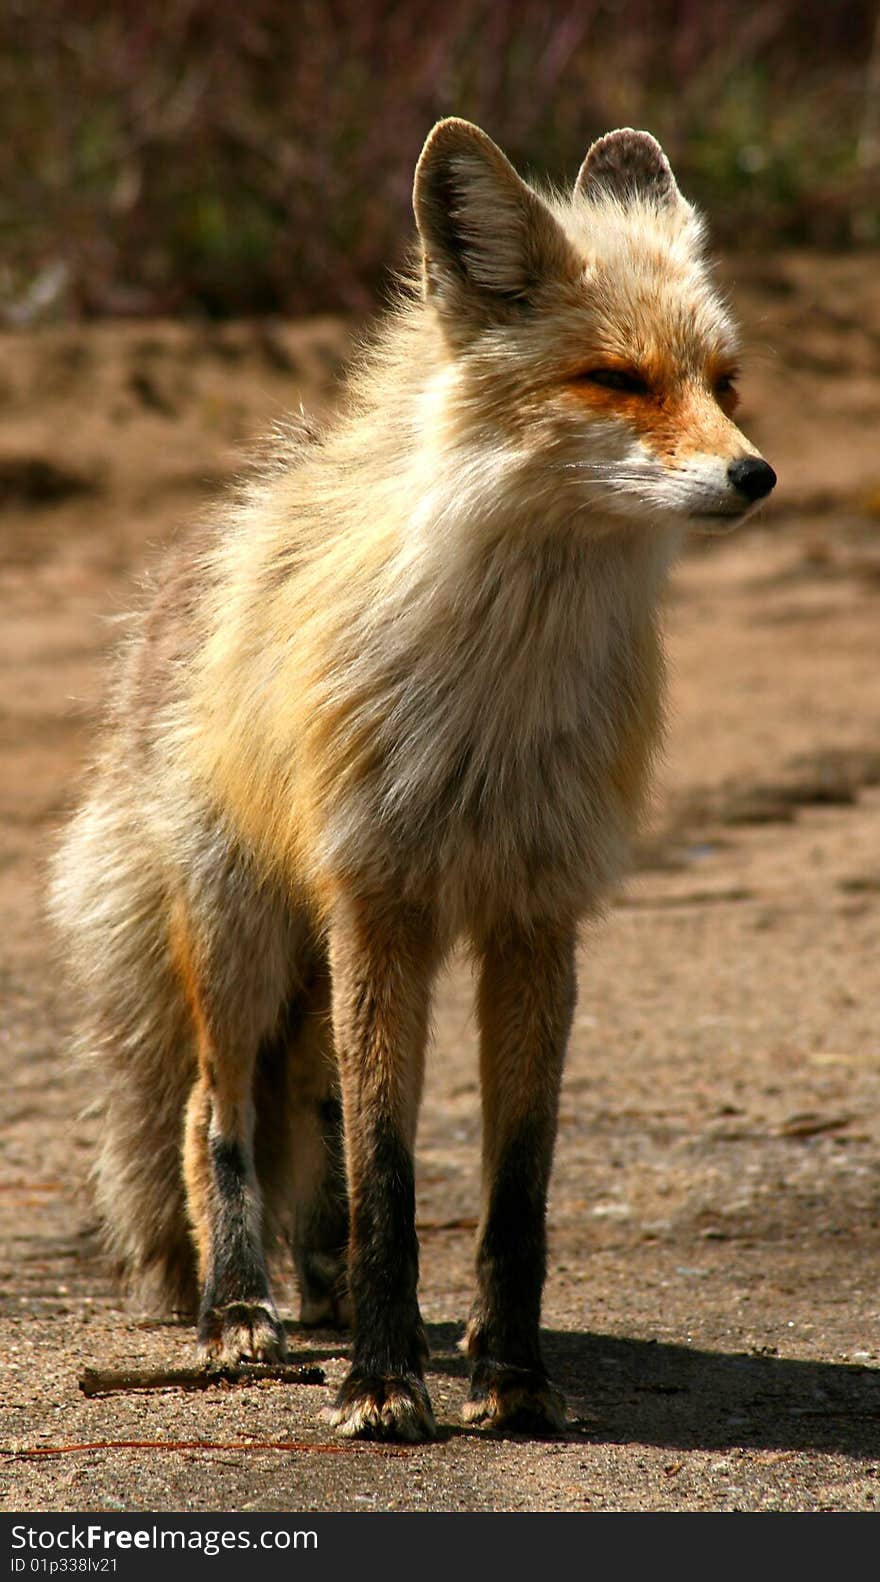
(474, 738)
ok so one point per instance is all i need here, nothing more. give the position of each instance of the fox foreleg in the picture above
(525, 1004)
(382, 960)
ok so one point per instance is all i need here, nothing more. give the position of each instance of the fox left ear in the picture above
(628, 164)
(489, 242)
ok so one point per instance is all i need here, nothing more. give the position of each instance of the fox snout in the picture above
(704, 486)
(751, 477)
(718, 491)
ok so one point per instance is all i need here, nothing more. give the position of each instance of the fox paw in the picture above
(332, 1311)
(369, 1407)
(241, 1332)
(323, 1290)
(515, 1400)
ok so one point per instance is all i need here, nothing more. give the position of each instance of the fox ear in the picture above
(628, 164)
(487, 238)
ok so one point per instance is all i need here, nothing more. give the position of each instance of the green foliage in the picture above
(195, 155)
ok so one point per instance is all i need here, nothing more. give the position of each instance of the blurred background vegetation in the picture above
(205, 156)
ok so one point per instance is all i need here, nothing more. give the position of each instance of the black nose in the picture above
(752, 477)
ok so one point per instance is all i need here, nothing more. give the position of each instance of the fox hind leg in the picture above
(299, 1149)
(237, 1317)
(233, 982)
(525, 1003)
(320, 1238)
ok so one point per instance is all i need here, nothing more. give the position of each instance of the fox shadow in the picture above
(680, 1398)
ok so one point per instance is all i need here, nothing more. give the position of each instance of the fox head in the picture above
(585, 334)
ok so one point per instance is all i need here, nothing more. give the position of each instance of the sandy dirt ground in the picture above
(712, 1307)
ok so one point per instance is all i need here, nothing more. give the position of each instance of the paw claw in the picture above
(385, 1409)
(241, 1332)
(330, 1312)
(515, 1400)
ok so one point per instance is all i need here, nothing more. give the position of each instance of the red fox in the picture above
(405, 689)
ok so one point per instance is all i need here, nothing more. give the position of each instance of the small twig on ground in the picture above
(300, 1446)
(97, 1381)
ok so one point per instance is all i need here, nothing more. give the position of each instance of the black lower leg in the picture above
(320, 1238)
(236, 1314)
(511, 1262)
(509, 1384)
(384, 1394)
(384, 1263)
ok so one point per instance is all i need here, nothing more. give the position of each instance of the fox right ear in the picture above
(628, 164)
(487, 238)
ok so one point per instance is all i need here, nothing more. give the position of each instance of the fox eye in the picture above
(724, 389)
(616, 379)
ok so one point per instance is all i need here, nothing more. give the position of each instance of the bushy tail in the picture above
(111, 900)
